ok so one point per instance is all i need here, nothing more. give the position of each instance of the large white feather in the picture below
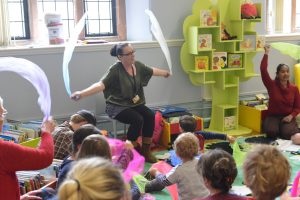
(70, 45)
(158, 34)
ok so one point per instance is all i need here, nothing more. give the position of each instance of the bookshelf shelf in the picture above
(224, 81)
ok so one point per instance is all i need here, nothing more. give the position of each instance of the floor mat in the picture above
(260, 140)
(220, 145)
(225, 145)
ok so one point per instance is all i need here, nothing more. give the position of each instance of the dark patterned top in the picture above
(62, 136)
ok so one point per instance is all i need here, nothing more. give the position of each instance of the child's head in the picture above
(187, 123)
(186, 146)
(82, 117)
(266, 172)
(94, 145)
(80, 134)
(93, 178)
(218, 169)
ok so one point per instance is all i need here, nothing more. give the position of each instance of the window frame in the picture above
(25, 20)
(294, 16)
(120, 24)
(279, 18)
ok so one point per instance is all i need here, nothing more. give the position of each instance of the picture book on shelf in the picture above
(204, 41)
(201, 63)
(249, 43)
(235, 60)
(260, 42)
(229, 122)
(219, 60)
(208, 17)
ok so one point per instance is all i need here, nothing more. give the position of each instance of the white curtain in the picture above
(5, 38)
(279, 16)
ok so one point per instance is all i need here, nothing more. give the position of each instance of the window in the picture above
(18, 17)
(106, 18)
(296, 14)
(283, 16)
(64, 7)
(100, 23)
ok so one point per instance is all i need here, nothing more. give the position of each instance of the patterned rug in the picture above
(245, 142)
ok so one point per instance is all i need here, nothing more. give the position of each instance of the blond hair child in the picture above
(189, 185)
(94, 178)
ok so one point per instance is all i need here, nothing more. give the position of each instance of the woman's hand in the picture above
(3, 111)
(76, 95)
(167, 74)
(160, 72)
(267, 48)
(49, 125)
(287, 119)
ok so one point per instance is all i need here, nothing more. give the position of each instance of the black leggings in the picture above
(140, 118)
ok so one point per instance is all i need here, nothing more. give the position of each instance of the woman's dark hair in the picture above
(117, 49)
(280, 66)
(219, 168)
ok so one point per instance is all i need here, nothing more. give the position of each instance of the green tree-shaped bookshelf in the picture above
(224, 83)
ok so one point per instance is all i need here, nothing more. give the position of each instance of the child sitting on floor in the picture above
(94, 178)
(266, 172)
(188, 123)
(97, 145)
(189, 185)
(218, 169)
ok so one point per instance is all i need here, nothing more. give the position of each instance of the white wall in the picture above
(86, 67)
(88, 64)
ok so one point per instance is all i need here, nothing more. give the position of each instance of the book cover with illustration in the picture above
(204, 41)
(260, 42)
(249, 43)
(219, 60)
(235, 60)
(208, 17)
(201, 63)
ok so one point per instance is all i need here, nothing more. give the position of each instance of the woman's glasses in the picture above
(129, 53)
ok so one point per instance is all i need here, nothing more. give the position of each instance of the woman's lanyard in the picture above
(134, 87)
(134, 82)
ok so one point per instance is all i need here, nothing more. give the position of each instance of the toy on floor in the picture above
(141, 181)
(135, 166)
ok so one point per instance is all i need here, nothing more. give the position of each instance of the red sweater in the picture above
(282, 101)
(14, 157)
